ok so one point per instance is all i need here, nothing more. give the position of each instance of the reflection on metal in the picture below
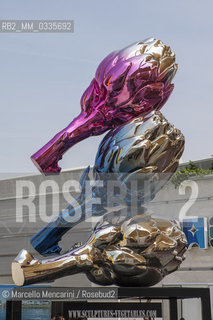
(140, 252)
(128, 83)
(140, 157)
(128, 247)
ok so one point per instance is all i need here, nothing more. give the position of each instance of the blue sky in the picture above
(44, 75)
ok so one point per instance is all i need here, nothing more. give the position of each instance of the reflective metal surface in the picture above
(134, 161)
(128, 83)
(140, 252)
(140, 157)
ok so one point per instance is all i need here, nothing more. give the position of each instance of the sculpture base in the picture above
(155, 293)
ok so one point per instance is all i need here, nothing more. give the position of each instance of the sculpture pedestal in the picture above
(155, 293)
(172, 294)
(159, 293)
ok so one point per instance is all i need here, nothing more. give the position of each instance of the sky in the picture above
(43, 76)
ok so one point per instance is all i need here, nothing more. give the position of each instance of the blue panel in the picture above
(195, 231)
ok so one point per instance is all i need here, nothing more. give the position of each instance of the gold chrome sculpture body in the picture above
(140, 252)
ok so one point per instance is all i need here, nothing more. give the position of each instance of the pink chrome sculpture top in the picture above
(130, 82)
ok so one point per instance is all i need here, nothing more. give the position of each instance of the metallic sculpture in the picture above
(128, 83)
(127, 247)
(140, 252)
(146, 150)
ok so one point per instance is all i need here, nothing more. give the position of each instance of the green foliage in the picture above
(190, 171)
